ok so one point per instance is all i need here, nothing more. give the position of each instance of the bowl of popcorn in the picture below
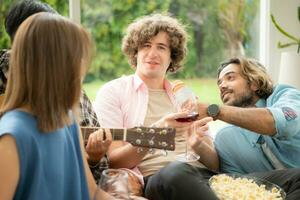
(236, 187)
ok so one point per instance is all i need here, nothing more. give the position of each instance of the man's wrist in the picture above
(202, 110)
(93, 164)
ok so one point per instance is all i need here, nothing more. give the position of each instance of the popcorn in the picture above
(231, 188)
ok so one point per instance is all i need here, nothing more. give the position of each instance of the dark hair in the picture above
(253, 72)
(21, 11)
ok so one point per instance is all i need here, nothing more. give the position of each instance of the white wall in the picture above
(74, 11)
(285, 13)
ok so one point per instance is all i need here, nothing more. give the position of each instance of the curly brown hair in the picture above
(146, 27)
(253, 72)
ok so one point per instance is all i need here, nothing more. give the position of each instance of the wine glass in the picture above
(186, 101)
(115, 183)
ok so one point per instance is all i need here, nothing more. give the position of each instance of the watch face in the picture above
(213, 110)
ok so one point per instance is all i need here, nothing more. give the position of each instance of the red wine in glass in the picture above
(191, 117)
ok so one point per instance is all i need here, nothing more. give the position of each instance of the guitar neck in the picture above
(117, 134)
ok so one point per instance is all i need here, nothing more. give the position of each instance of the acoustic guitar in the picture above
(150, 137)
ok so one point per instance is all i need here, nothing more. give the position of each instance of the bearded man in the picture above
(264, 130)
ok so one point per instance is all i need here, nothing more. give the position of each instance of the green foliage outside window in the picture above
(209, 41)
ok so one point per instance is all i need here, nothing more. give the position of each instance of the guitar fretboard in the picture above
(117, 134)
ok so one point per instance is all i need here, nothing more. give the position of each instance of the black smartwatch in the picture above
(213, 110)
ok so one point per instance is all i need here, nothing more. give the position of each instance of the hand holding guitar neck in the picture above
(97, 144)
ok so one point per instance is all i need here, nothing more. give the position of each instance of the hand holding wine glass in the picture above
(196, 139)
(186, 101)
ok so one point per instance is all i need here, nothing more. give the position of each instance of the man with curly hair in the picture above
(155, 45)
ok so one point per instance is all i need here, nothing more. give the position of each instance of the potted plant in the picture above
(290, 61)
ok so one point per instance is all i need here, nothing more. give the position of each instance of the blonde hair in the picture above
(146, 27)
(47, 64)
(253, 72)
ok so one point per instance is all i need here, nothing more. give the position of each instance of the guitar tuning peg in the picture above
(151, 142)
(140, 149)
(163, 144)
(152, 131)
(151, 151)
(164, 152)
(138, 141)
(139, 130)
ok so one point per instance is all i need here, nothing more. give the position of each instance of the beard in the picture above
(245, 99)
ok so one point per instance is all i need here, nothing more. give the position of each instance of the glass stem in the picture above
(186, 147)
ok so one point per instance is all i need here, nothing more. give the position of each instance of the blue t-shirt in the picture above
(239, 149)
(51, 165)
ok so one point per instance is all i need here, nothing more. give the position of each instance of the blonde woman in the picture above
(41, 149)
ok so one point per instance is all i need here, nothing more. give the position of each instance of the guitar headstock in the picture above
(152, 137)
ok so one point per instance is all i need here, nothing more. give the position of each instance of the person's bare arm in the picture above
(90, 180)
(208, 154)
(202, 143)
(123, 154)
(259, 120)
(9, 167)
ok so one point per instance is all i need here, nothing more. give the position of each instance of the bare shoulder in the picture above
(9, 166)
(8, 150)
(7, 140)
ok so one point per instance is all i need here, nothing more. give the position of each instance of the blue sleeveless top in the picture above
(51, 165)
